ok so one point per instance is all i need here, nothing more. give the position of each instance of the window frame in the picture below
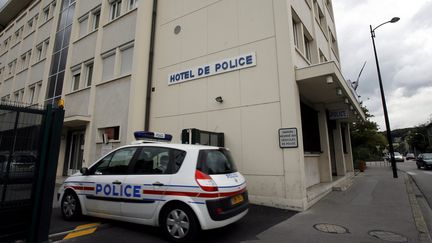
(94, 167)
(115, 9)
(170, 169)
(89, 74)
(76, 72)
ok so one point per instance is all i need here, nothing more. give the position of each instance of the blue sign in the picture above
(223, 66)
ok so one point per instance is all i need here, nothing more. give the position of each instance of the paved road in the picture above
(423, 180)
(258, 219)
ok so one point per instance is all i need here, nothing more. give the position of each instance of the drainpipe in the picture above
(150, 68)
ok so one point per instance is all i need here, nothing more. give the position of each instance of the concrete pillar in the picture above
(349, 163)
(339, 154)
(324, 160)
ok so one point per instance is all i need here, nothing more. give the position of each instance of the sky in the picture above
(404, 52)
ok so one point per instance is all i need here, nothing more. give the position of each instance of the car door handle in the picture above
(157, 183)
(116, 182)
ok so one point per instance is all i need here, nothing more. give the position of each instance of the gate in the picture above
(29, 145)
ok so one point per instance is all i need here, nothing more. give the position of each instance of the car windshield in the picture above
(427, 156)
(397, 154)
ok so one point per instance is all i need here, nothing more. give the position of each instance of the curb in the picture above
(420, 223)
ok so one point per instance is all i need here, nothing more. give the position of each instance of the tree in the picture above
(367, 143)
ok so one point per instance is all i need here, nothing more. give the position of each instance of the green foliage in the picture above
(367, 143)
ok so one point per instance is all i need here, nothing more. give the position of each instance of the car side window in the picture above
(116, 163)
(156, 160)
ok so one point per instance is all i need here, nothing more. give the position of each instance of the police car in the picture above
(181, 188)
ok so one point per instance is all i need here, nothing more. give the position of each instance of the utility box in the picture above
(196, 136)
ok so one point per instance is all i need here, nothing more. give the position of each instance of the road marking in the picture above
(411, 173)
(82, 230)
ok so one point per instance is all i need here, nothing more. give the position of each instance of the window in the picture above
(96, 20)
(296, 29)
(322, 57)
(213, 162)
(30, 26)
(126, 56)
(116, 163)
(32, 92)
(1, 73)
(83, 23)
(45, 13)
(132, 4)
(5, 98)
(310, 129)
(115, 9)
(108, 64)
(89, 74)
(11, 67)
(155, 160)
(329, 7)
(38, 53)
(76, 76)
(333, 43)
(6, 42)
(23, 61)
(16, 96)
(307, 45)
(108, 134)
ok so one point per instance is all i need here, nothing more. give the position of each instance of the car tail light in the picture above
(205, 182)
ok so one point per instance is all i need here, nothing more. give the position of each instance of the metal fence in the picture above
(25, 136)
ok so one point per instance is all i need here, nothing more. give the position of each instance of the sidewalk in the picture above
(375, 202)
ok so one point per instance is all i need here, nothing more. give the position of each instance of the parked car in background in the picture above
(410, 156)
(22, 164)
(424, 160)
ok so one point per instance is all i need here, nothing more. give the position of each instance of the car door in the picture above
(151, 175)
(108, 176)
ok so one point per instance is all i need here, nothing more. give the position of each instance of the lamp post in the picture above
(389, 137)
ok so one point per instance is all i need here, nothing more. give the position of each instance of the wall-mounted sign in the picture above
(288, 138)
(334, 115)
(222, 66)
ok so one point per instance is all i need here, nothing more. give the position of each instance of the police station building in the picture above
(261, 77)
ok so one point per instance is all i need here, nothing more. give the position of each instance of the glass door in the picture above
(76, 152)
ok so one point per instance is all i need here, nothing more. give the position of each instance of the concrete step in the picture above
(343, 185)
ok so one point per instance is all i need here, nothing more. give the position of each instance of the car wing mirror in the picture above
(84, 171)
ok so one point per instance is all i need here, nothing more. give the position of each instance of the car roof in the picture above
(173, 145)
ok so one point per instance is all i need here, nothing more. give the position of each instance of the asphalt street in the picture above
(423, 180)
(258, 220)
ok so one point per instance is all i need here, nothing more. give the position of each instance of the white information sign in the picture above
(222, 66)
(288, 138)
(334, 115)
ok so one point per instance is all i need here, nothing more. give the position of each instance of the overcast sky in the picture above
(404, 52)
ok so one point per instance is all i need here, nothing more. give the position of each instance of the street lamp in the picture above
(389, 137)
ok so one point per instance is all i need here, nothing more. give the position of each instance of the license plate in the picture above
(237, 199)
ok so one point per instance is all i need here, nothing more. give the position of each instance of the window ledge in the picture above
(8, 78)
(84, 36)
(109, 141)
(28, 34)
(77, 91)
(312, 154)
(15, 44)
(48, 20)
(324, 33)
(21, 71)
(41, 60)
(4, 52)
(119, 17)
(113, 79)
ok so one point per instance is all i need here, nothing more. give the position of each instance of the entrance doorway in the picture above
(76, 152)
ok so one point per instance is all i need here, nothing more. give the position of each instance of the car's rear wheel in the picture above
(179, 223)
(70, 206)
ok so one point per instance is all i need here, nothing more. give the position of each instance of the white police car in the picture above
(181, 188)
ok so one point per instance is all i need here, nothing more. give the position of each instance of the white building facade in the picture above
(265, 73)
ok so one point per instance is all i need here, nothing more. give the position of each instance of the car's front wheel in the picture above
(70, 206)
(179, 223)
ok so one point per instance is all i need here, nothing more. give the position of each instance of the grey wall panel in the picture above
(20, 80)
(83, 49)
(87, 5)
(112, 102)
(77, 103)
(36, 72)
(44, 31)
(32, 12)
(27, 43)
(119, 32)
(6, 87)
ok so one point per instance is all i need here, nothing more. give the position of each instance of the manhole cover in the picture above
(388, 236)
(331, 228)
